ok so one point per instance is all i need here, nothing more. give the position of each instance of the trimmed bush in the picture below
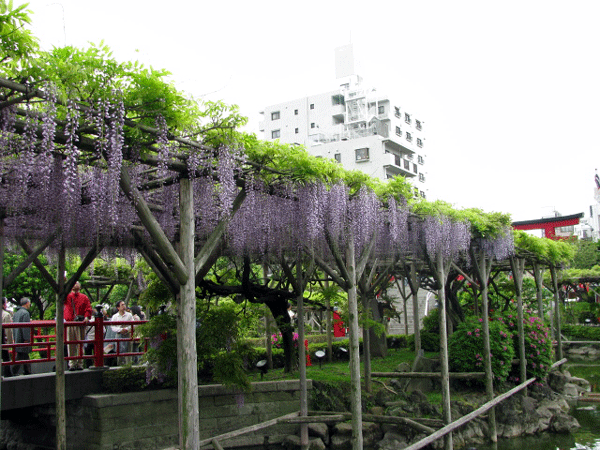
(465, 348)
(582, 332)
(431, 322)
(430, 342)
(397, 341)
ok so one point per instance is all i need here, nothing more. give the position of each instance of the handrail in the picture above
(468, 417)
(48, 346)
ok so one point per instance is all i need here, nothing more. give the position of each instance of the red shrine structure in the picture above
(549, 224)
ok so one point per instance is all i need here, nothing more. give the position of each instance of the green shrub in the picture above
(125, 379)
(582, 332)
(538, 344)
(397, 341)
(430, 342)
(587, 317)
(431, 322)
(222, 355)
(465, 348)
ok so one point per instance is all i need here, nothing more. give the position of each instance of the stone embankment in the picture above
(544, 410)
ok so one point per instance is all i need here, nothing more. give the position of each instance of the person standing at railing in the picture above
(78, 308)
(22, 335)
(7, 336)
(122, 331)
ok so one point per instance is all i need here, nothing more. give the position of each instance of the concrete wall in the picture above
(149, 420)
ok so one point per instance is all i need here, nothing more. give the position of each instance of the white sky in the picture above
(508, 92)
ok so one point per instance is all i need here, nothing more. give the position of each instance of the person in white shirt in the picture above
(122, 331)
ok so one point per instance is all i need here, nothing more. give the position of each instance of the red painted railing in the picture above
(44, 343)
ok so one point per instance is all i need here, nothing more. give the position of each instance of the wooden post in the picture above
(484, 273)
(537, 276)
(414, 289)
(268, 332)
(187, 373)
(445, 370)
(355, 390)
(1, 297)
(61, 416)
(302, 357)
(366, 346)
(267, 311)
(556, 322)
(329, 329)
(518, 268)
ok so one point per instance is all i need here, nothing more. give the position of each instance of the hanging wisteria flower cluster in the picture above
(61, 167)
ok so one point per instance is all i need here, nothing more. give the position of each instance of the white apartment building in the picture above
(356, 126)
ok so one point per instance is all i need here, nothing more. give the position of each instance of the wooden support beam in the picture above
(216, 445)
(328, 417)
(316, 419)
(455, 375)
(245, 430)
(87, 260)
(468, 417)
(36, 262)
(206, 256)
(187, 357)
(31, 256)
(163, 245)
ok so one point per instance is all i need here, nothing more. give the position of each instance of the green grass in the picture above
(339, 371)
(590, 372)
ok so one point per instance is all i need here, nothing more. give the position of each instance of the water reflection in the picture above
(586, 438)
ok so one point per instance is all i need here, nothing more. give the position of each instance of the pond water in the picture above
(585, 438)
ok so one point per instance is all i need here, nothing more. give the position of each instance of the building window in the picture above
(406, 164)
(295, 112)
(296, 130)
(312, 106)
(338, 157)
(422, 194)
(415, 168)
(275, 115)
(397, 111)
(381, 110)
(407, 118)
(408, 137)
(337, 99)
(275, 134)
(419, 142)
(418, 124)
(398, 131)
(362, 154)
(421, 160)
(421, 177)
(312, 124)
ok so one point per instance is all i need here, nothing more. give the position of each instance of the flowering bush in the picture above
(538, 344)
(465, 348)
(276, 340)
